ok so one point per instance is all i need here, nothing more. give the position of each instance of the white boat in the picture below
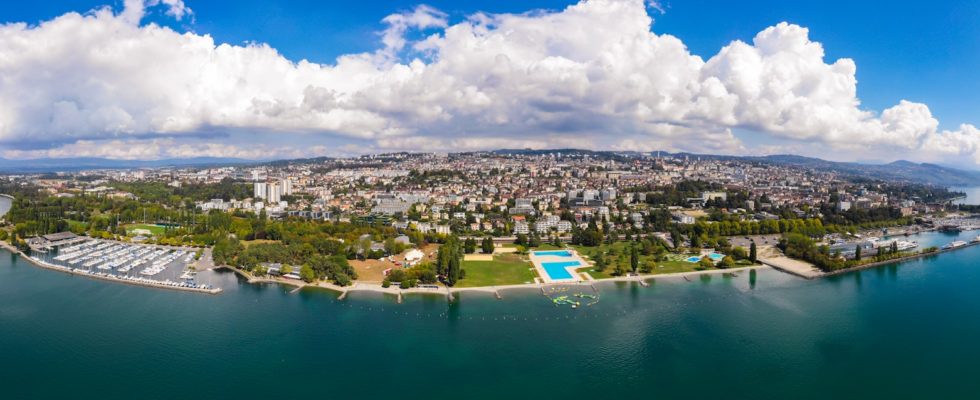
(953, 245)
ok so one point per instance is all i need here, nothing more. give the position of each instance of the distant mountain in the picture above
(901, 171)
(82, 163)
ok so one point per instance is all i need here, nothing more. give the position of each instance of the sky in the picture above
(157, 79)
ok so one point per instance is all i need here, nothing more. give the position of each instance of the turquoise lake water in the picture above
(900, 331)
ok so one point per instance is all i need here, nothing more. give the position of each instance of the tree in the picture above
(600, 262)
(469, 245)
(634, 258)
(857, 253)
(285, 269)
(306, 273)
(727, 262)
(342, 279)
(675, 237)
(706, 263)
(448, 260)
(487, 245)
(739, 253)
(648, 267)
(753, 253)
(409, 283)
(535, 240)
(695, 240)
(393, 246)
(619, 270)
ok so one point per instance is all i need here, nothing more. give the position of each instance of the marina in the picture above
(138, 264)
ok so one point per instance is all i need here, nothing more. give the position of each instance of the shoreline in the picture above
(897, 260)
(450, 292)
(109, 278)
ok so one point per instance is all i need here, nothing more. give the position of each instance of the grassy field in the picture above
(596, 274)
(618, 254)
(154, 229)
(505, 269)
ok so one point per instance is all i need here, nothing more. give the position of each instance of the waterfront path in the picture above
(450, 292)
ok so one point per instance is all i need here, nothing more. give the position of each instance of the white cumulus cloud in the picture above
(591, 75)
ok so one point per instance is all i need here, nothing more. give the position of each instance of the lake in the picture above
(972, 195)
(900, 331)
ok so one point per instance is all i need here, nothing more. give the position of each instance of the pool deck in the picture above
(538, 259)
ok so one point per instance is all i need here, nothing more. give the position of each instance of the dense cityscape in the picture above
(415, 220)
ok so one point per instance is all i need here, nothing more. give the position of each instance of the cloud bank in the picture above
(592, 75)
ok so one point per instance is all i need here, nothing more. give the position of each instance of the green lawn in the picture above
(618, 253)
(154, 229)
(505, 269)
(596, 274)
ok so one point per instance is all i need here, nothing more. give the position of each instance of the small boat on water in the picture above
(953, 245)
(975, 240)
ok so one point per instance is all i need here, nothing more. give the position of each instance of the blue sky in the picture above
(905, 49)
(923, 53)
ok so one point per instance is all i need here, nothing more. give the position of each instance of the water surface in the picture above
(905, 331)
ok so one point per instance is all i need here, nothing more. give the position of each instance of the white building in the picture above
(521, 228)
(274, 192)
(260, 190)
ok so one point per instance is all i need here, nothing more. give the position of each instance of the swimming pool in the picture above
(556, 270)
(554, 253)
(712, 256)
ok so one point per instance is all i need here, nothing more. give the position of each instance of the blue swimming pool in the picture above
(556, 270)
(554, 253)
(711, 256)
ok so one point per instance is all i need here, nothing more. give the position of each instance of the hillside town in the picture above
(380, 217)
(509, 194)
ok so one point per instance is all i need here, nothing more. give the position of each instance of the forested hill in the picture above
(902, 171)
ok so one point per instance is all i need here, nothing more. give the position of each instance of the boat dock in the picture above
(135, 264)
(131, 281)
